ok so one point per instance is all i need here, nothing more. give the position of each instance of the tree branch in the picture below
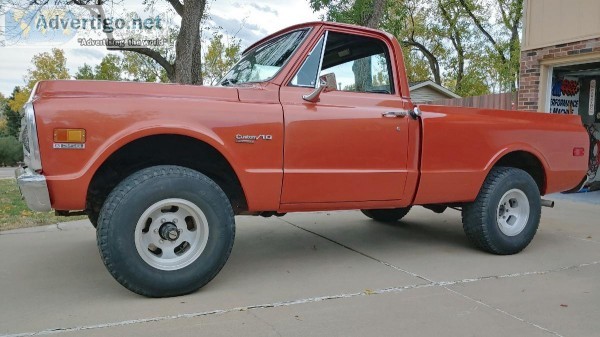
(433, 61)
(178, 6)
(456, 39)
(153, 54)
(484, 31)
(505, 18)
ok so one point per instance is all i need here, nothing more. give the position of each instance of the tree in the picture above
(503, 36)
(140, 68)
(85, 72)
(3, 105)
(11, 116)
(410, 23)
(184, 67)
(220, 56)
(109, 68)
(442, 40)
(46, 66)
(368, 13)
(187, 63)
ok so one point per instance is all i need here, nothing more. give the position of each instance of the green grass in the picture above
(15, 214)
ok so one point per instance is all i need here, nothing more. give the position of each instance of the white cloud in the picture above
(247, 20)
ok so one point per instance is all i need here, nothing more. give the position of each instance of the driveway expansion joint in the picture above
(504, 312)
(390, 290)
(359, 252)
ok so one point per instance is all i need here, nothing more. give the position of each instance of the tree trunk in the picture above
(373, 20)
(456, 39)
(362, 67)
(187, 48)
(434, 64)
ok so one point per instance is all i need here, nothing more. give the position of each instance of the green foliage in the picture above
(470, 46)
(11, 118)
(14, 213)
(220, 56)
(3, 104)
(109, 68)
(417, 68)
(11, 151)
(141, 68)
(46, 66)
(347, 11)
(85, 72)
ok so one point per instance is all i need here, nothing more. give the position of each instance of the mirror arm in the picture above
(313, 97)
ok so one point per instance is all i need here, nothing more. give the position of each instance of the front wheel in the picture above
(505, 216)
(165, 231)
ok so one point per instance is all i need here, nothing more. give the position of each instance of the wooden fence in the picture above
(506, 101)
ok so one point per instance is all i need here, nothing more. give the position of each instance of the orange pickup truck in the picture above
(315, 117)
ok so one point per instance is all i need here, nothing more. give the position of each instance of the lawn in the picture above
(15, 214)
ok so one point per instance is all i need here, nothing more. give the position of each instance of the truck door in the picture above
(351, 144)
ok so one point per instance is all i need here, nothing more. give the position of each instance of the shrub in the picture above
(11, 151)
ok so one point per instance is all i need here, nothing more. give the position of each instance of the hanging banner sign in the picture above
(565, 95)
(592, 108)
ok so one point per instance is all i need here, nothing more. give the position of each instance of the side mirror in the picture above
(327, 83)
(313, 97)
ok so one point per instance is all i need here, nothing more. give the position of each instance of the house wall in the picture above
(425, 95)
(555, 33)
(537, 64)
(553, 22)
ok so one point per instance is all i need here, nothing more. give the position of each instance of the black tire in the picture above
(386, 215)
(482, 219)
(135, 196)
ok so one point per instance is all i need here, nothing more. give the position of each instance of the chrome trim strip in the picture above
(317, 82)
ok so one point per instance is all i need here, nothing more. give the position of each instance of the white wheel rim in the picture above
(171, 234)
(513, 212)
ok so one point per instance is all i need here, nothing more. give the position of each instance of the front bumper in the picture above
(33, 189)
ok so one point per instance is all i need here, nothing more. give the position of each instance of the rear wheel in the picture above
(386, 215)
(506, 214)
(165, 231)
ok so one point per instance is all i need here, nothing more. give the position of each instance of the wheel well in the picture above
(527, 162)
(165, 150)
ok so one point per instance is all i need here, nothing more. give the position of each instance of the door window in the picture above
(354, 63)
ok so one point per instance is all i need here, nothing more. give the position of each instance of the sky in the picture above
(248, 20)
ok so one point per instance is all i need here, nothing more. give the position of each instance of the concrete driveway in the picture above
(321, 274)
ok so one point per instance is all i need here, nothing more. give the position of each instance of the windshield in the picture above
(262, 63)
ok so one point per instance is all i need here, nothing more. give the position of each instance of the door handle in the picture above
(393, 114)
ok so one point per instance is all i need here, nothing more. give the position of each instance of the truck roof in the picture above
(315, 24)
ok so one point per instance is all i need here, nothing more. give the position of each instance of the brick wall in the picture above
(529, 82)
